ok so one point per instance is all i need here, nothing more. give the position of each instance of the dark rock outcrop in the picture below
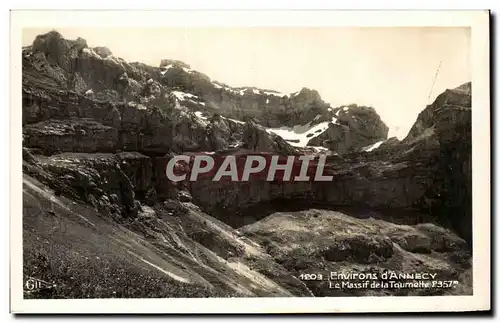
(354, 128)
(55, 62)
(72, 65)
(448, 120)
(77, 135)
(108, 182)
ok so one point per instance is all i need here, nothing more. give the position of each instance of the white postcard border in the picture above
(478, 21)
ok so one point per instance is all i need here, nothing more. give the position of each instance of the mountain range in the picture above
(102, 220)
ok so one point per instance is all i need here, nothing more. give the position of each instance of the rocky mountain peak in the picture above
(307, 94)
(457, 100)
(58, 50)
(98, 75)
(103, 51)
(466, 87)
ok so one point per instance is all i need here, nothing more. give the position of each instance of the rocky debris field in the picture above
(321, 242)
(101, 219)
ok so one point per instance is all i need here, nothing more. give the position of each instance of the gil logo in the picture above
(33, 284)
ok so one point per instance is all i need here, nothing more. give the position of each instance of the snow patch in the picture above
(242, 91)
(267, 101)
(234, 120)
(374, 146)
(183, 96)
(165, 69)
(196, 102)
(136, 105)
(91, 52)
(278, 94)
(199, 114)
(319, 149)
(299, 136)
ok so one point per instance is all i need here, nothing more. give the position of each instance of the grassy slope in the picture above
(83, 254)
(91, 258)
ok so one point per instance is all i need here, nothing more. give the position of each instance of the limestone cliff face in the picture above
(448, 121)
(431, 173)
(82, 99)
(269, 108)
(349, 128)
(78, 99)
(95, 73)
(107, 182)
(76, 66)
(98, 133)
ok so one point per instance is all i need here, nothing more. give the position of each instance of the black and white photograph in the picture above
(324, 162)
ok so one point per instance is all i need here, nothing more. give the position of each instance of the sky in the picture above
(390, 69)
